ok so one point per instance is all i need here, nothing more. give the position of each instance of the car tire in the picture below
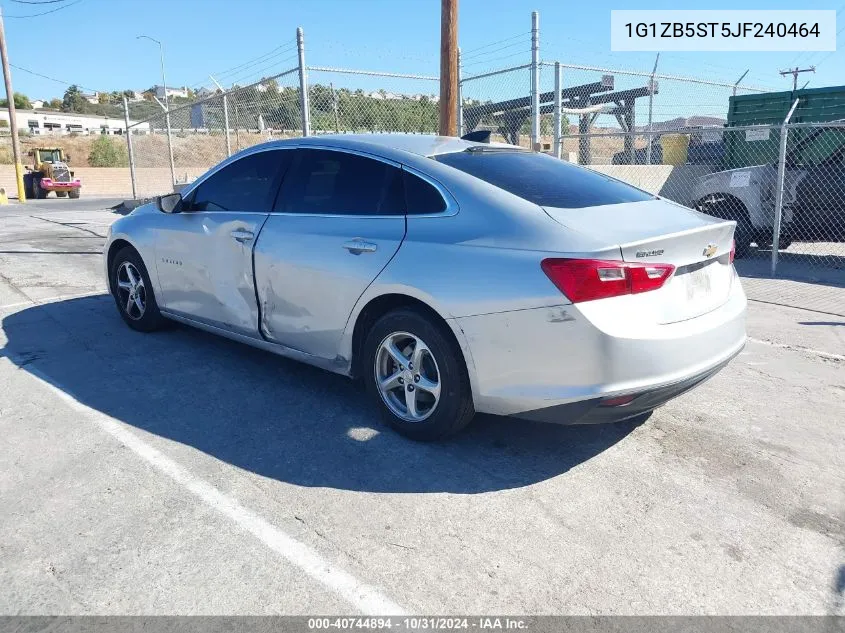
(438, 386)
(37, 191)
(73, 193)
(27, 186)
(137, 308)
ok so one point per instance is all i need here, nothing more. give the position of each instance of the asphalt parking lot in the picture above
(179, 473)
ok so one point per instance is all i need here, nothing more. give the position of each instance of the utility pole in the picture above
(795, 72)
(13, 121)
(448, 67)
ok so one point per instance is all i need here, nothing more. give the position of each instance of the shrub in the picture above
(107, 152)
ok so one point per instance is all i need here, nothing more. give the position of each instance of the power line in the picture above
(37, 2)
(495, 50)
(58, 81)
(276, 52)
(35, 15)
(507, 39)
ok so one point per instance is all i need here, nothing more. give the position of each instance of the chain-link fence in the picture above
(360, 101)
(177, 146)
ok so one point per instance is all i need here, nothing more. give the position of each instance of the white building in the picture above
(171, 92)
(91, 97)
(37, 104)
(61, 123)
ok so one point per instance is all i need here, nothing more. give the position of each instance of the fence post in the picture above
(225, 116)
(129, 147)
(334, 107)
(303, 83)
(558, 118)
(649, 137)
(226, 125)
(460, 109)
(784, 132)
(535, 81)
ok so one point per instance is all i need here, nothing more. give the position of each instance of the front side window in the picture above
(327, 182)
(541, 179)
(248, 184)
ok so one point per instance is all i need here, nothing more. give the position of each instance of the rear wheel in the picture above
(731, 209)
(133, 292)
(416, 374)
(27, 186)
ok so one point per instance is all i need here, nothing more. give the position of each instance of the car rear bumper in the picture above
(599, 411)
(559, 364)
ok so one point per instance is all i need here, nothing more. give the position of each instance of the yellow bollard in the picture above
(4, 199)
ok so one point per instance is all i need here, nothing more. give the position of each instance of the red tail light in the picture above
(589, 279)
(733, 251)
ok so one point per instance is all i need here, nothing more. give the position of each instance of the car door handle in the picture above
(242, 236)
(356, 247)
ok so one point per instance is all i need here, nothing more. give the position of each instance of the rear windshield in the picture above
(542, 179)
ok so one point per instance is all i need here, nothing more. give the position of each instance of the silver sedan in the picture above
(452, 277)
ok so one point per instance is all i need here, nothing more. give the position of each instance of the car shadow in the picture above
(272, 416)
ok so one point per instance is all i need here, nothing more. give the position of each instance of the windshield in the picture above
(542, 179)
(49, 156)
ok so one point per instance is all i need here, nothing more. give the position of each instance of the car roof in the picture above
(424, 145)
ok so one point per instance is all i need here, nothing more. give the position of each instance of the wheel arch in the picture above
(115, 247)
(378, 306)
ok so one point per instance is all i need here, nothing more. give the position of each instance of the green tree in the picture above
(22, 102)
(108, 152)
(55, 104)
(73, 100)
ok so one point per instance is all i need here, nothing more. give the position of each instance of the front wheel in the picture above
(133, 293)
(38, 192)
(416, 374)
(73, 193)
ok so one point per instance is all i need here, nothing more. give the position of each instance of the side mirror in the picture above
(169, 203)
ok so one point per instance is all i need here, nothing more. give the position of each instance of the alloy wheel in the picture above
(131, 291)
(407, 376)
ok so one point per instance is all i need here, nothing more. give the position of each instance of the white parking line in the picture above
(798, 348)
(366, 599)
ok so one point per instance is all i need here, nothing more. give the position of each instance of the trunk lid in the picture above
(663, 232)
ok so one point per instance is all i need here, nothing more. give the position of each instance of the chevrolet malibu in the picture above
(451, 277)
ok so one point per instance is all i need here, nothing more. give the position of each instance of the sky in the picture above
(93, 43)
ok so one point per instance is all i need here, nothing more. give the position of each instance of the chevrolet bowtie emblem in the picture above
(710, 250)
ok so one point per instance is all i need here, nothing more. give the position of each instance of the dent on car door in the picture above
(338, 221)
(204, 252)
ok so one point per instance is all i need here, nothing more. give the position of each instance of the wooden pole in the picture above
(13, 121)
(448, 67)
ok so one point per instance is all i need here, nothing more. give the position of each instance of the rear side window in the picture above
(248, 184)
(331, 182)
(421, 197)
(543, 180)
